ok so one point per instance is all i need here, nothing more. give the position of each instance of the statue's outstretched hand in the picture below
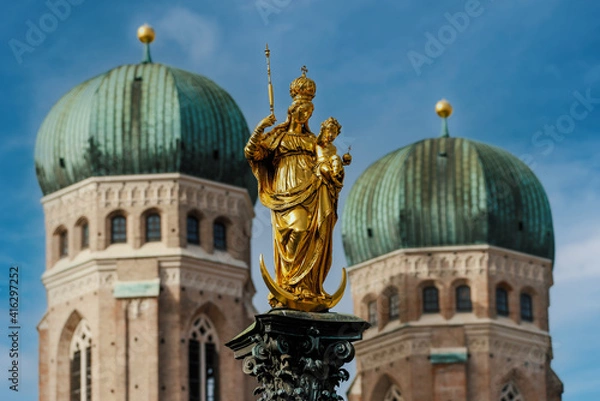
(266, 122)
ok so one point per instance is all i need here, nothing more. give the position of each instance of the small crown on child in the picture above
(332, 121)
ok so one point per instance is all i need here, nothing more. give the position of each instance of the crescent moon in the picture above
(337, 296)
(279, 293)
(307, 305)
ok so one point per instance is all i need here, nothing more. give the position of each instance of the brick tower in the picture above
(452, 247)
(148, 205)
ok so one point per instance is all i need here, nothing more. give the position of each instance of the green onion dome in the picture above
(446, 192)
(143, 118)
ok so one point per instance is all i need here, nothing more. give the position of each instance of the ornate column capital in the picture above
(298, 356)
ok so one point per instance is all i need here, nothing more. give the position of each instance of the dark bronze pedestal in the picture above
(298, 356)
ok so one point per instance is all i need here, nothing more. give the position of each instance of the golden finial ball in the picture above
(443, 108)
(145, 33)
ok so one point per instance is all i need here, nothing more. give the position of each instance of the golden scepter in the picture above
(271, 103)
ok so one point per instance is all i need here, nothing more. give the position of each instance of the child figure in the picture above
(329, 163)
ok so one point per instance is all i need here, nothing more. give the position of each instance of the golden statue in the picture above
(299, 178)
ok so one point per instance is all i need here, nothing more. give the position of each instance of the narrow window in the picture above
(463, 299)
(211, 372)
(194, 369)
(85, 235)
(63, 244)
(203, 361)
(394, 306)
(153, 227)
(526, 307)
(81, 364)
(373, 313)
(219, 236)
(431, 303)
(118, 230)
(501, 301)
(76, 376)
(193, 230)
(88, 373)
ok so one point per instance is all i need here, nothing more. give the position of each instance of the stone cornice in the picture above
(458, 320)
(485, 336)
(439, 262)
(450, 249)
(57, 277)
(512, 332)
(180, 270)
(204, 278)
(389, 347)
(205, 267)
(182, 178)
(106, 257)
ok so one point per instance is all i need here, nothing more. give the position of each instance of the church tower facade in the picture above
(452, 247)
(148, 205)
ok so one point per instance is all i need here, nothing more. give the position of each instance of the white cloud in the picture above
(573, 189)
(14, 142)
(196, 35)
(579, 260)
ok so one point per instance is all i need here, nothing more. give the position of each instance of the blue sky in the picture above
(513, 71)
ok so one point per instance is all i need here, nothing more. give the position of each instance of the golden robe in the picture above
(302, 207)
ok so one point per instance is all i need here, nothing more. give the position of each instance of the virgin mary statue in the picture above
(301, 201)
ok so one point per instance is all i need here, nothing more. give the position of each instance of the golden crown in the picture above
(303, 88)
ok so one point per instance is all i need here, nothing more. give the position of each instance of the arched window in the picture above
(431, 302)
(203, 362)
(220, 236)
(118, 229)
(394, 306)
(63, 244)
(85, 235)
(526, 307)
(463, 299)
(510, 393)
(81, 363)
(393, 394)
(372, 306)
(501, 301)
(193, 230)
(153, 227)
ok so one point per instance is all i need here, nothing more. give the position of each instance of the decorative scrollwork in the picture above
(283, 346)
(260, 352)
(309, 344)
(292, 370)
(249, 365)
(340, 352)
